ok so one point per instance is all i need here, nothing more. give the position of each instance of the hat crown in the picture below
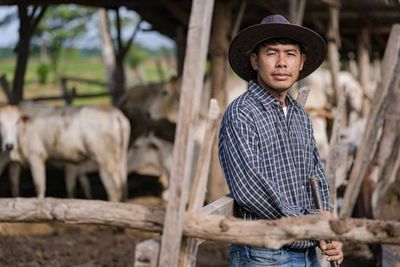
(274, 19)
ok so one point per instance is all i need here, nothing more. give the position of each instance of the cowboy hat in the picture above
(275, 26)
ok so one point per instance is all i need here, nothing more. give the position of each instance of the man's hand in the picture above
(332, 250)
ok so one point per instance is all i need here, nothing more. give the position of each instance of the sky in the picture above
(151, 39)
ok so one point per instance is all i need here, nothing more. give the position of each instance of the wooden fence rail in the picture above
(261, 233)
(69, 94)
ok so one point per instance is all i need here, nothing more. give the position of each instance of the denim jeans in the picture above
(246, 256)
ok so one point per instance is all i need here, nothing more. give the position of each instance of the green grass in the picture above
(88, 68)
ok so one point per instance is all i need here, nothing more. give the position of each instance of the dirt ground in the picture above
(59, 245)
(87, 247)
(94, 246)
(54, 245)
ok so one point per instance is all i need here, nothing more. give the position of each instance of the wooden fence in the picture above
(215, 221)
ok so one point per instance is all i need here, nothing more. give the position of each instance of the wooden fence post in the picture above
(198, 194)
(193, 72)
(219, 45)
(333, 37)
(335, 151)
(364, 69)
(389, 83)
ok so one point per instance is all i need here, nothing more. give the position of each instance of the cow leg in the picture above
(39, 175)
(111, 184)
(71, 173)
(4, 160)
(14, 171)
(123, 172)
(84, 182)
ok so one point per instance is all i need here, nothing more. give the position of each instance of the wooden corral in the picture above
(359, 26)
(167, 16)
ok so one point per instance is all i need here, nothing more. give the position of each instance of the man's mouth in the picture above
(281, 76)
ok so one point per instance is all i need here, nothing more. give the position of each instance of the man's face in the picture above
(278, 65)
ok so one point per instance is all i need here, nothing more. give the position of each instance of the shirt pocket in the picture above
(302, 150)
(269, 148)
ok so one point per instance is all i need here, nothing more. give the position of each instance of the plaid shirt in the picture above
(268, 158)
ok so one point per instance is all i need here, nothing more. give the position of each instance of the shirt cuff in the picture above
(310, 212)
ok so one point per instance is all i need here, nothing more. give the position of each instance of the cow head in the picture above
(144, 157)
(165, 103)
(10, 116)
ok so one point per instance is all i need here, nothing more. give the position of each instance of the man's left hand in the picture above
(332, 250)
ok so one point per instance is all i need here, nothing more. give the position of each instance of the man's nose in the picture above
(9, 146)
(281, 61)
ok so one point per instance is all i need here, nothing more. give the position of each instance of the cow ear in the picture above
(25, 118)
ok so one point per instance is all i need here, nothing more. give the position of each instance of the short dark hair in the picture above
(279, 40)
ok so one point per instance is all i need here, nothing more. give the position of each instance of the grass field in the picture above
(88, 68)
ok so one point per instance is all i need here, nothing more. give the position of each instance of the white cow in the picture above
(151, 155)
(165, 103)
(319, 107)
(35, 134)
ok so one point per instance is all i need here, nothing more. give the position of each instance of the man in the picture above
(267, 149)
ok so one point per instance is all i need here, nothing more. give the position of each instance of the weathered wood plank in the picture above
(263, 233)
(333, 37)
(219, 46)
(335, 155)
(193, 72)
(146, 253)
(73, 211)
(364, 69)
(84, 80)
(302, 95)
(386, 88)
(222, 206)
(275, 234)
(296, 11)
(198, 194)
(149, 252)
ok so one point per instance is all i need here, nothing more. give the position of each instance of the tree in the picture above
(60, 27)
(30, 17)
(114, 51)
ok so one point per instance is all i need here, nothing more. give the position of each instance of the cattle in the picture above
(165, 103)
(136, 104)
(14, 170)
(319, 106)
(34, 134)
(148, 155)
(151, 155)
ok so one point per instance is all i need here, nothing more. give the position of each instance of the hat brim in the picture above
(247, 39)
